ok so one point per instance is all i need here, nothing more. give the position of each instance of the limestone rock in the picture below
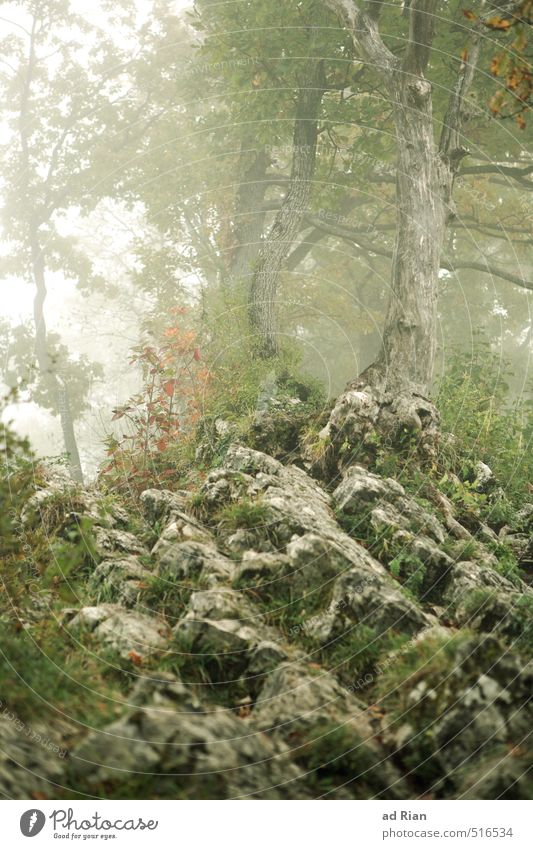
(180, 750)
(120, 580)
(160, 505)
(122, 631)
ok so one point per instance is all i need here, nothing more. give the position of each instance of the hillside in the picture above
(266, 634)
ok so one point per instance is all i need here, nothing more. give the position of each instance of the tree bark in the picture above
(262, 310)
(250, 212)
(409, 339)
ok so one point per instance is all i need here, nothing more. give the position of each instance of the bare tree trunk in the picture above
(48, 373)
(262, 309)
(390, 394)
(409, 339)
(250, 211)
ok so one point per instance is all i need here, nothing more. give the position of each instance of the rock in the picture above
(188, 751)
(296, 696)
(119, 580)
(189, 560)
(182, 528)
(484, 477)
(479, 700)
(109, 541)
(260, 568)
(373, 601)
(385, 502)
(223, 645)
(353, 418)
(223, 603)
(52, 504)
(483, 599)
(122, 631)
(32, 759)
(504, 775)
(524, 518)
(314, 562)
(329, 732)
(366, 414)
(159, 505)
(222, 627)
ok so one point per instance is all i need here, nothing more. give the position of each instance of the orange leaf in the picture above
(469, 14)
(197, 355)
(135, 658)
(498, 23)
(161, 444)
(169, 387)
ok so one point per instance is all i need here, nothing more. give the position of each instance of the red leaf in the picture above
(161, 444)
(197, 355)
(135, 658)
(169, 387)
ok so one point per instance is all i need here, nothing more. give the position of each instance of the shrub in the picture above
(160, 419)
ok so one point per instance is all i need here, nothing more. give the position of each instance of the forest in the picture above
(266, 480)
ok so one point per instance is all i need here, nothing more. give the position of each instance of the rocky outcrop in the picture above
(276, 639)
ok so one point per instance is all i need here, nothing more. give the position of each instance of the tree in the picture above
(392, 393)
(58, 97)
(213, 169)
(425, 175)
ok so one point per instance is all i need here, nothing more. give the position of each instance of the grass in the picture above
(243, 514)
(44, 673)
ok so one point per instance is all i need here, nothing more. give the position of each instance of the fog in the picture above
(147, 223)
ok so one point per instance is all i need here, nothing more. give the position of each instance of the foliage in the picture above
(161, 418)
(512, 64)
(244, 514)
(16, 484)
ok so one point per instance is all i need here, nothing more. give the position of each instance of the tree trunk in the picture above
(390, 395)
(262, 310)
(250, 212)
(48, 373)
(409, 338)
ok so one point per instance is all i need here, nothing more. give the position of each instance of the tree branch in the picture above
(364, 31)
